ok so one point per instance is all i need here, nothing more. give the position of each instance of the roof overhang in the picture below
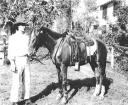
(108, 3)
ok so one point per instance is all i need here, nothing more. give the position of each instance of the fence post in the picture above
(112, 57)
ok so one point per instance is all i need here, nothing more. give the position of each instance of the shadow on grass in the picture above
(74, 84)
(51, 87)
(87, 82)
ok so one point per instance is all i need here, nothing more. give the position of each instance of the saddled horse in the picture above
(60, 48)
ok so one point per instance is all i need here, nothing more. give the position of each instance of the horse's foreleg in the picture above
(103, 74)
(64, 83)
(59, 96)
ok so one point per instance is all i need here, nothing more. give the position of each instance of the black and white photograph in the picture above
(63, 52)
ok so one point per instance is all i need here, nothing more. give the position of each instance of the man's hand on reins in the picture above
(31, 56)
(13, 67)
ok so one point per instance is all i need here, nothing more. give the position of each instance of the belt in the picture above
(26, 55)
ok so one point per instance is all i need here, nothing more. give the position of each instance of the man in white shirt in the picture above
(18, 50)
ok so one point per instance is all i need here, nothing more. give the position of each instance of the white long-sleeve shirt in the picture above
(18, 45)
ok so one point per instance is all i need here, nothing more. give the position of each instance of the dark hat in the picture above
(16, 25)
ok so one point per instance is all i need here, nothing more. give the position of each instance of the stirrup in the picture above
(77, 67)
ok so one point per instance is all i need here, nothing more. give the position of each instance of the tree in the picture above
(118, 32)
(43, 12)
(21, 9)
(83, 15)
(64, 10)
(122, 14)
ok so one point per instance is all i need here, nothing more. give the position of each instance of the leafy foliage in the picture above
(39, 12)
(117, 34)
(122, 14)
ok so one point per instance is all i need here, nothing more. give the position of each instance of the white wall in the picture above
(110, 17)
(126, 2)
(110, 11)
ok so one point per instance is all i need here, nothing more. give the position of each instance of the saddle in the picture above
(76, 51)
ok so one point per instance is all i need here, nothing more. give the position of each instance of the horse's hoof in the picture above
(95, 94)
(63, 101)
(101, 97)
(102, 91)
(97, 90)
(59, 96)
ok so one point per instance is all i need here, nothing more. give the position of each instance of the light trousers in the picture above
(22, 75)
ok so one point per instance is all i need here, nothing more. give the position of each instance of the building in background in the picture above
(106, 10)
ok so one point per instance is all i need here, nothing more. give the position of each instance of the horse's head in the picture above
(37, 40)
(45, 37)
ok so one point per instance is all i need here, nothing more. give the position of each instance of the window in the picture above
(116, 6)
(104, 12)
(95, 27)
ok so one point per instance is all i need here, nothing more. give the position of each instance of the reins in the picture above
(34, 57)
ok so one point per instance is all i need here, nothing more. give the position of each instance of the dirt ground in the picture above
(44, 87)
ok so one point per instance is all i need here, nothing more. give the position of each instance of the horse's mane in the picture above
(53, 33)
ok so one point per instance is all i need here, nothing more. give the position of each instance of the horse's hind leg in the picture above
(64, 83)
(59, 96)
(97, 75)
(100, 74)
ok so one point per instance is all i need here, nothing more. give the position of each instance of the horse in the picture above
(60, 50)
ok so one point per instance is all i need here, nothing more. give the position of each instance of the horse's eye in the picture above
(41, 31)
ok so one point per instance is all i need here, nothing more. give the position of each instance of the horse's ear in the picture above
(40, 30)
